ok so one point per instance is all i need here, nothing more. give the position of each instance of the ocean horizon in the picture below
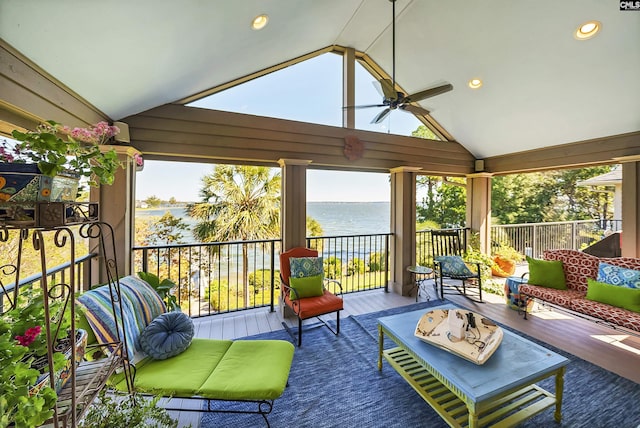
(336, 218)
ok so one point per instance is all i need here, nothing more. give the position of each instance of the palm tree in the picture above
(239, 203)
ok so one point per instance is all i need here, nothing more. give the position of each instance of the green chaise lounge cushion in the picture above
(218, 369)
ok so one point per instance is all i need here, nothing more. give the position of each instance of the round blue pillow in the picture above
(168, 335)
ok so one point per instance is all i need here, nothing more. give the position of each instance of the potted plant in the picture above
(45, 165)
(28, 395)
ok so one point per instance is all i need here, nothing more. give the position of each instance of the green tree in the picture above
(168, 229)
(153, 201)
(313, 227)
(238, 203)
(172, 201)
(445, 202)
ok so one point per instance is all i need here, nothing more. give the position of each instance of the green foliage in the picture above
(153, 201)
(167, 230)
(127, 411)
(445, 202)
(332, 267)
(217, 294)
(377, 262)
(424, 132)
(164, 288)
(508, 253)
(261, 279)
(18, 372)
(549, 196)
(355, 266)
(239, 203)
(52, 147)
(313, 227)
(474, 256)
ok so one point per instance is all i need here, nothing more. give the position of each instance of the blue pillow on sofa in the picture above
(616, 275)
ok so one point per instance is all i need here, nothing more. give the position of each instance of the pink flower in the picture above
(139, 160)
(29, 336)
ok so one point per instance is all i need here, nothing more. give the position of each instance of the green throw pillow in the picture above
(546, 273)
(309, 286)
(614, 295)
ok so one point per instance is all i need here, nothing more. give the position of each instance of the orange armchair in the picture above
(308, 307)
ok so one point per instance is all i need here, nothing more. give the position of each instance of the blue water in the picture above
(335, 218)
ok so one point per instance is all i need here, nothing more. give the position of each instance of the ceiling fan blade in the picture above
(410, 108)
(364, 106)
(378, 87)
(380, 117)
(388, 90)
(427, 93)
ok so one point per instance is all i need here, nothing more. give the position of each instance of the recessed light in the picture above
(587, 30)
(259, 22)
(475, 83)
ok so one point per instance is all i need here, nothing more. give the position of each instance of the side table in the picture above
(420, 274)
(512, 294)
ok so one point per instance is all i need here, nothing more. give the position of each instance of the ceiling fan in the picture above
(393, 99)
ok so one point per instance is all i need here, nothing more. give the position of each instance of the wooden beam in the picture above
(31, 93)
(599, 151)
(172, 132)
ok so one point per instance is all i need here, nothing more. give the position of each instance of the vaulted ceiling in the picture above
(542, 87)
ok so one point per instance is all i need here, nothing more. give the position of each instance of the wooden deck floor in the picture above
(597, 344)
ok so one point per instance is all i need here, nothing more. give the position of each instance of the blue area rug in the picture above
(335, 382)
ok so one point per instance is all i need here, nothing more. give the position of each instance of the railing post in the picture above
(386, 264)
(273, 274)
(535, 242)
(573, 236)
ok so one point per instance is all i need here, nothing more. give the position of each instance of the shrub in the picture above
(261, 279)
(355, 266)
(332, 267)
(217, 295)
(377, 262)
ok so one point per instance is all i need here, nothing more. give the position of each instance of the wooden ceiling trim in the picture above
(597, 151)
(28, 88)
(257, 74)
(205, 120)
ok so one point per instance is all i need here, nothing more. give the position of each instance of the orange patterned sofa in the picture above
(578, 267)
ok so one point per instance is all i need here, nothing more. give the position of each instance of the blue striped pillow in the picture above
(96, 305)
(146, 303)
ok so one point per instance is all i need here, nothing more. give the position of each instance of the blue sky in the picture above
(308, 92)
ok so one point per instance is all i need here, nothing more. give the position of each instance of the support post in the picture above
(631, 208)
(117, 208)
(403, 227)
(293, 221)
(479, 208)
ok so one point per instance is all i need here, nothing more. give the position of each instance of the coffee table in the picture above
(502, 392)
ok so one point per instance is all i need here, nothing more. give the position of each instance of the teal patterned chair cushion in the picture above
(302, 267)
(454, 266)
(616, 275)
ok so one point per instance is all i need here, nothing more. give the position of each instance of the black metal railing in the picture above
(216, 277)
(221, 277)
(359, 262)
(57, 275)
